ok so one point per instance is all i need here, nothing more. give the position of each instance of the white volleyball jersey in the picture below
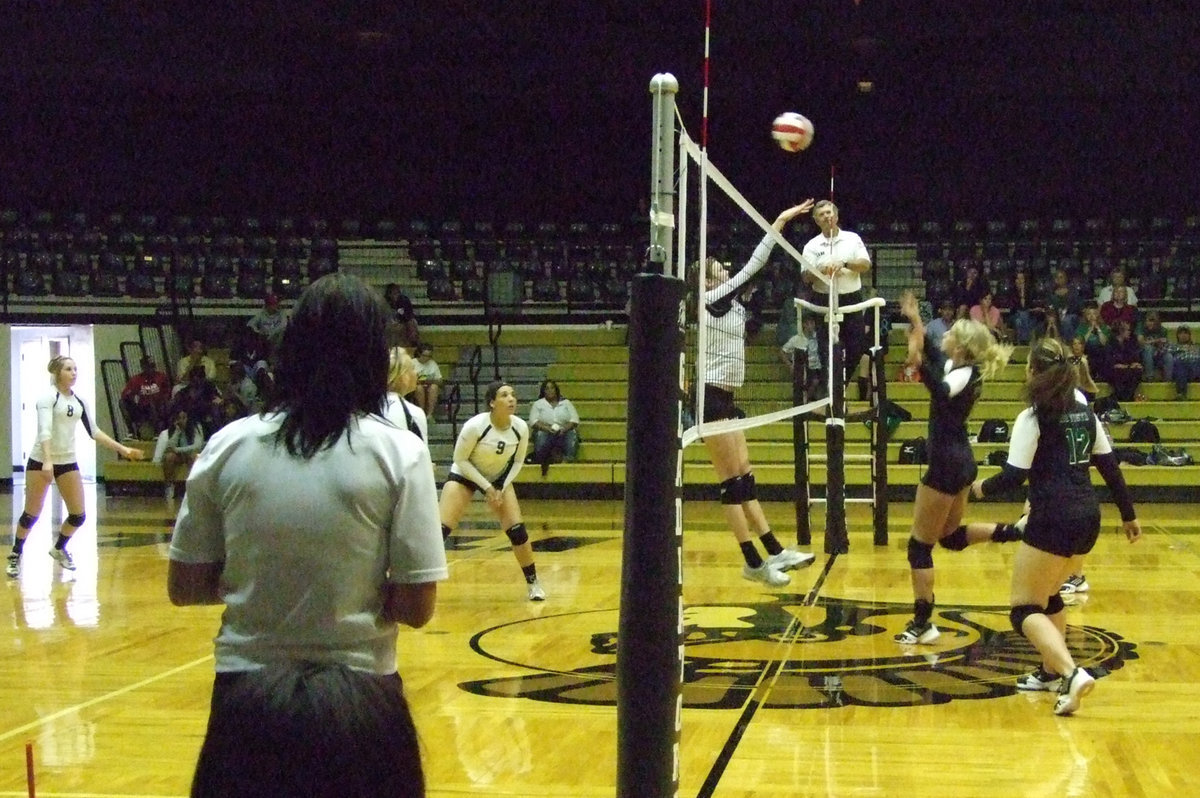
(414, 420)
(484, 453)
(57, 415)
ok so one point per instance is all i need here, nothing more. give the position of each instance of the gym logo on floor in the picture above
(836, 653)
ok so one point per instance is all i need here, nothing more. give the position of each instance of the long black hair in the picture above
(333, 363)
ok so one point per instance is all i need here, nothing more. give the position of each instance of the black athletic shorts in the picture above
(59, 468)
(1062, 535)
(951, 468)
(718, 404)
(461, 480)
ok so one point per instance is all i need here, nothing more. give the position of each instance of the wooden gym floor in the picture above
(790, 692)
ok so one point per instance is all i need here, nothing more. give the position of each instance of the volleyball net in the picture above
(723, 305)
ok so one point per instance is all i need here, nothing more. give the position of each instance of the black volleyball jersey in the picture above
(953, 391)
(1057, 453)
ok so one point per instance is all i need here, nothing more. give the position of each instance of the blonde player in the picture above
(52, 460)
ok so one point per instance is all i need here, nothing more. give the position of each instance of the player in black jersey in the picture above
(954, 374)
(1054, 441)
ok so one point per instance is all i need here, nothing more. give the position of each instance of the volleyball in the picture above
(792, 131)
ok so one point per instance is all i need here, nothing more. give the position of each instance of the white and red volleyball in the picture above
(791, 131)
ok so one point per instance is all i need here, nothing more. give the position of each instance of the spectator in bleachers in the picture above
(806, 342)
(1116, 279)
(1123, 357)
(1022, 307)
(269, 322)
(1187, 361)
(554, 424)
(972, 289)
(184, 441)
(1095, 334)
(197, 355)
(1118, 308)
(145, 398)
(1064, 298)
(1083, 371)
(989, 316)
(1152, 283)
(429, 381)
(942, 324)
(201, 400)
(1048, 327)
(404, 315)
(1157, 360)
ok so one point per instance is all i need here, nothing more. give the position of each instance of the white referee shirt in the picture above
(844, 246)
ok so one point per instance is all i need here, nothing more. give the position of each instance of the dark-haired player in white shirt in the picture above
(488, 455)
(1054, 442)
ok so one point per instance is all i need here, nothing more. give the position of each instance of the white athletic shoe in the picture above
(1040, 680)
(64, 559)
(13, 566)
(535, 591)
(789, 559)
(1074, 584)
(916, 634)
(1072, 691)
(767, 574)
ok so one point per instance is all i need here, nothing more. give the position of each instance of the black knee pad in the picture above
(956, 540)
(1017, 615)
(1054, 605)
(749, 487)
(446, 532)
(920, 555)
(26, 521)
(731, 489)
(517, 534)
(76, 519)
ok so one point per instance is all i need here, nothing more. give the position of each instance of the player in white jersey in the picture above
(488, 455)
(402, 380)
(53, 460)
(725, 371)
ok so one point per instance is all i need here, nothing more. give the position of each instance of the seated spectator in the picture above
(989, 316)
(475, 284)
(806, 341)
(1124, 359)
(944, 321)
(201, 400)
(145, 398)
(269, 323)
(404, 316)
(1187, 361)
(1022, 308)
(1094, 334)
(971, 290)
(615, 287)
(1048, 327)
(1083, 371)
(1157, 360)
(554, 425)
(1152, 285)
(1118, 309)
(1064, 298)
(429, 381)
(197, 355)
(1116, 280)
(184, 441)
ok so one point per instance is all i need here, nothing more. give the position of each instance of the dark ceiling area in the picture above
(541, 109)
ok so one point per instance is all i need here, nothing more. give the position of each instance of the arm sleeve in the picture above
(199, 533)
(1110, 471)
(752, 267)
(468, 439)
(574, 414)
(535, 412)
(45, 419)
(860, 250)
(1021, 448)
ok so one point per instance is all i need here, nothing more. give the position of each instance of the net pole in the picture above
(836, 539)
(800, 441)
(879, 481)
(650, 627)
